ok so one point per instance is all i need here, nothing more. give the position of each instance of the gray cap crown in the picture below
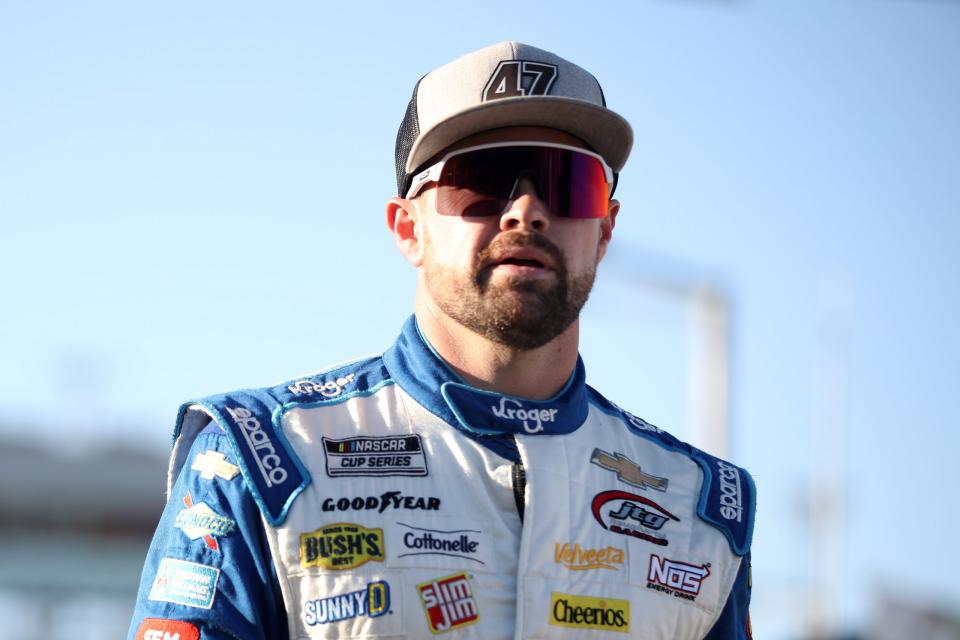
(506, 85)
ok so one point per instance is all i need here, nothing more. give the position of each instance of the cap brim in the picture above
(605, 131)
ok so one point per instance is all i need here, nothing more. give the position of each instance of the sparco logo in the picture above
(260, 445)
(587, 612)
(341, 546)
(533, 419)
(678, 578)
(731, 498)
(448, 603)
(461, 543)
(328, 389)
(388, 500)
(631, 515)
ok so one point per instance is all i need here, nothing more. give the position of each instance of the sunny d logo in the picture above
(372, 601)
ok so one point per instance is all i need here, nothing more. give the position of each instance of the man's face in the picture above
(519, 278)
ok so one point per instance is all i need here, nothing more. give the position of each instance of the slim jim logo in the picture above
(587, 612)
(448, 603)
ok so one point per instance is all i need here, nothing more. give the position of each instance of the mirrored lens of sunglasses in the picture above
(481, 183)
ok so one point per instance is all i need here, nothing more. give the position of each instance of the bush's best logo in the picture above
(459, 543)
(328, 389)
(448, 603)
(533, 419)
(631, 515)
(587, 612)
(579, 559)
(681, 579)
(388, 500)
(731, 497)
(260, 445)
(341, 546)
(200, 521)
(372, 601)
(384, 456)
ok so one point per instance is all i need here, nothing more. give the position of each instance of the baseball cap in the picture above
(507, 84)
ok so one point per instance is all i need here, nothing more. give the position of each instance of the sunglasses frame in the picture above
(434, 171)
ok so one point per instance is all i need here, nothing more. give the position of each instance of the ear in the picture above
(606, 228)
(403, 220)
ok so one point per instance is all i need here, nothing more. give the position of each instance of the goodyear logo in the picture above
(341, 546)
(587, 612)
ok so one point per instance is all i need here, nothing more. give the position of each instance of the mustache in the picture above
(503, 244)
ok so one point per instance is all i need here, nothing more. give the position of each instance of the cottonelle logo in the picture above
(341, 546)
(579, 559)
(533, 419)
(587, 612)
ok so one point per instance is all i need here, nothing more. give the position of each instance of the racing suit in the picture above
(386, 498)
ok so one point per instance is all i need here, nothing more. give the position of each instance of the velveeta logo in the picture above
(587, 612)
(580, 559)
(341, 546)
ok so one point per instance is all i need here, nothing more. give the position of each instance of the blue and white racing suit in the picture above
(388, 499)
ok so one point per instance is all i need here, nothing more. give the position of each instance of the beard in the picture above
(520, 314)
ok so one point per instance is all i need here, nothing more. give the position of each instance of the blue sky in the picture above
(192, 200)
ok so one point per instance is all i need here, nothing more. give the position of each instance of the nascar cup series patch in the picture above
(375, 456)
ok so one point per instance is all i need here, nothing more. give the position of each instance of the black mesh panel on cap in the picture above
(407, 134)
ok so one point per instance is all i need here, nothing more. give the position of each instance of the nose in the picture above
(526, 210)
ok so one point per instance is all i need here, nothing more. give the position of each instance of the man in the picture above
(467, 481)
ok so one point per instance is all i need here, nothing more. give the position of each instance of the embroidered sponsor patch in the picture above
(200, 521)
(388, 500)
(163, 629)
(341, 546)
(577, 558)
(327, 389)
(627, 470)
(448, 603)
(186, 583)
(383, 456)
(680, 579)
(265, 452)
(213, 463)
(372, 601)
(588, 612)
(465, 544)
(631, 515)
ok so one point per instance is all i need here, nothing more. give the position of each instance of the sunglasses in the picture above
(483, 180)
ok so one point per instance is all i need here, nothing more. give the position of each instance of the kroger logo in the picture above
(533, 419)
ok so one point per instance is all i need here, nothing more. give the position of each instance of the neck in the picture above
(536, 374)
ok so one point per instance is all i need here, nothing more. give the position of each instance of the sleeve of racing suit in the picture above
(209, 572)
(734, 620)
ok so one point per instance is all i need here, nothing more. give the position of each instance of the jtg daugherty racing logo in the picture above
(635, 515)
(260, 445)
(533, 419)
(731, 496)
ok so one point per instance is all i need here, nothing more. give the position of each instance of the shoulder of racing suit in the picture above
(250, 419)
(727, 492)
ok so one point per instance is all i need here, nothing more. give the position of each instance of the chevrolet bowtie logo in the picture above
(214, 463)
(627, 470)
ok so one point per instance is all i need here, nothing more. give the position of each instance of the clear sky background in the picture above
(191, 199)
